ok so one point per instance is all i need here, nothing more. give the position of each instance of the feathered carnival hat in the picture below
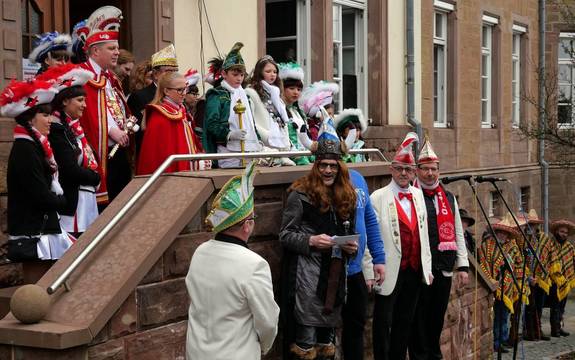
(347, 116)
(404, 154)
(291, 70)
(328, 144)
(192, 77)
(165, 57)
(20, 96)
(79, 35)
(103, 26)
(234, 202)
(214, 73)
(48, 42)
(427, 155)
(316, 96)
(234, 58)
(65, 76)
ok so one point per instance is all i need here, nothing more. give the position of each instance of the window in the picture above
(565, 78)
(494, 204)
(31, 25)
(486, 73)
(516, 68)
(287, 31)
(524, 197)
(440, 69)
(349, 58)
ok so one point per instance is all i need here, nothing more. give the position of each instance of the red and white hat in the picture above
(20, 96)
(65, 76)
(192, 77)
(427, 155)
(404, 154)
(103, 25)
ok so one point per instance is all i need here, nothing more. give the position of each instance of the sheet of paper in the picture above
(341, 240)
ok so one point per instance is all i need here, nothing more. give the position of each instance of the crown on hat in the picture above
(103, 25)
(317, 95)
(291, 70)
(234, 57)
(47, 42)
(192, 77)
(427, 155)
(347, 116)
(404, 154)
(20, 96)
(234, 202)
(165, 57)
(65, 76)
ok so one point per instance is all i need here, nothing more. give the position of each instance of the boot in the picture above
(555, 327)
(303, 354)
(325, 351)
(563, 332)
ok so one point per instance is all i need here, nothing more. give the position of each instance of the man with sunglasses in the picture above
(402, 216)
(232, 314)
(162, 62)
(448, 252)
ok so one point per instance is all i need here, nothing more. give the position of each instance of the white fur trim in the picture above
(62, 39)
(291, 73)
(351, 112)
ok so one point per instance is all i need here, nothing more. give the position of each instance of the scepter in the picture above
(239, 109)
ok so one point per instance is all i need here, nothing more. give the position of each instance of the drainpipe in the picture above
(410, 44)
(543, 120)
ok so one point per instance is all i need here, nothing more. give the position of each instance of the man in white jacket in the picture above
(232, 312)
(402, 216)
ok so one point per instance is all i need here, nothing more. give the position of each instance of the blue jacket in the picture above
(366, 226)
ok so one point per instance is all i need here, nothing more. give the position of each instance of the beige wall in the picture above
(228, 22)
(397, 109)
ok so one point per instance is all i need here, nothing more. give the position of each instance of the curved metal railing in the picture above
(63, 278)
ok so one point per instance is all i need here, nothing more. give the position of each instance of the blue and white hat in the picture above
(50, 41)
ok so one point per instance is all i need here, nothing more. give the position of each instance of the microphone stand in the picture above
(527, 243)
(507, 264)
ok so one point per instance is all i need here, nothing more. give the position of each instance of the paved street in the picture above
(531, 350)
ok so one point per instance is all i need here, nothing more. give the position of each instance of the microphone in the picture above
(449, 179)
(481, 179)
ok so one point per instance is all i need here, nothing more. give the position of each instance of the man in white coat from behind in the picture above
(232, 313)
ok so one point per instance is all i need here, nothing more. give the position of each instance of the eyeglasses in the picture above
(401, 169)
(181, 91)
(324, 166)
(427, 169)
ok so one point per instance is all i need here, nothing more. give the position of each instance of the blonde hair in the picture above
(164, 82)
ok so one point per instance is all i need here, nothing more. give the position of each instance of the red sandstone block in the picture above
(161, 302)
(28, 353)
(155, 274)
(272, 252)
(111, 350)
(124, 321)
(269, 217)
(178, 256)
(162, 343)
(102, 336)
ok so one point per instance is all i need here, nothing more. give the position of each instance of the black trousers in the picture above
(557, 308)
(119, 173)
(429, 316)
(397, 309)
(354, 314)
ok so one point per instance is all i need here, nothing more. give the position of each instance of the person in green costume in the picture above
(292, 76)
(347, 120)
(223, 131)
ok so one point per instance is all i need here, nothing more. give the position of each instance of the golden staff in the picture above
(239, 109)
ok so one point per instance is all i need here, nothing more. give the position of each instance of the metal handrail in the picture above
(61, 280)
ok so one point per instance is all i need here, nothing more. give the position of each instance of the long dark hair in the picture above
(258, 75)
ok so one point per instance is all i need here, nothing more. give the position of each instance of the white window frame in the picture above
(302, 36)
(569, 62)
(516, 79)
(487, 74)
(440, 70)
(360, 9)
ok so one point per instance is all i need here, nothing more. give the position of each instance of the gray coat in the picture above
(296, 229)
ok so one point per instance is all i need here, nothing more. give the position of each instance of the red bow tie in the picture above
(431, 192)
(407, 196)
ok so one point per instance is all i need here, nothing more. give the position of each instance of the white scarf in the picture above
(277, 138)
(251, 142)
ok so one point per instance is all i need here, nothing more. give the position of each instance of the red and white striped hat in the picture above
(103, 25)
(404, 154)
(20, 96)
(427, 154)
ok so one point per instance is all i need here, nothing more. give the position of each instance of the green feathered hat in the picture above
(234, 58)
(234, 202)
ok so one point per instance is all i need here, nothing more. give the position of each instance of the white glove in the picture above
(237, 135)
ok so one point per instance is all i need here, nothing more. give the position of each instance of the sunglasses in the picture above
(324, 166)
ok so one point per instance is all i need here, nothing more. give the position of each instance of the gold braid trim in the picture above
(176, 116)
